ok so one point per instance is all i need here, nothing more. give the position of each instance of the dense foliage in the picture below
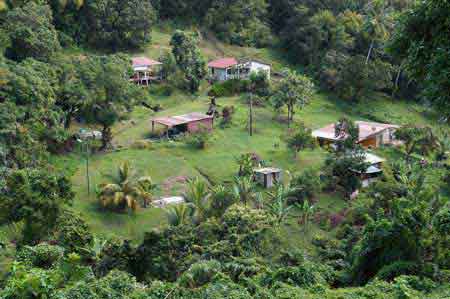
(229, 239)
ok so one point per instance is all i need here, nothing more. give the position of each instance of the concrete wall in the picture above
(219, 74)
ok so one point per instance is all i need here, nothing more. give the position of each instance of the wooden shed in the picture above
(187, 123)
(268, 176)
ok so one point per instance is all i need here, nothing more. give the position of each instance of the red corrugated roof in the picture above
(223, 63)
(181, 119)
(144, 61)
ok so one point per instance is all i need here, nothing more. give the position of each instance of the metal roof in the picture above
(373, 159)
(144, 62)
(223, 63)
(267, 170)
(172, 121)
(366, 130)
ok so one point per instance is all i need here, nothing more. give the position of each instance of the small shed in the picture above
(267, 176)
(85, 134)
(145, 70)
(186, 123)
(373, 171)
(166, 201)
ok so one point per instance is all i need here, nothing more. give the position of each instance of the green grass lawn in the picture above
(167, 161)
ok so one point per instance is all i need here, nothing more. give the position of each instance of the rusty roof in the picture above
(223, 63)
(366, 130)
(172, 121)
(144, 61)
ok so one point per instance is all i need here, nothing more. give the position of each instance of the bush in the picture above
(164, 90)
(142, 144)
(391, 271)
(227, 114)
(229, 88)
(306, 275)
(306, 185)
(74, 234)
(200, 274)
(41, 256)
(198, 140)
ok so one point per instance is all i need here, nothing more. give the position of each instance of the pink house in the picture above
(145, 70)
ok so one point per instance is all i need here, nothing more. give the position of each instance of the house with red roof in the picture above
(224, 69)
(371, 134)
(145, 70)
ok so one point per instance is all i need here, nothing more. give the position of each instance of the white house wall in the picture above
(257, 67)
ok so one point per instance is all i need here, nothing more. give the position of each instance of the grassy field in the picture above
(169, 162)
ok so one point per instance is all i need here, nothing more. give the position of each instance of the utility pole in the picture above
(250, 126)
(88, 149)
(85, 143)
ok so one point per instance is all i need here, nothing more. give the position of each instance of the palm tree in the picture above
(221, 199)
(145, 189)
(198, 194)
(118, 197)
(279, 207)
(244, 189)
(180, 214)
(125, 191)
(378, 23)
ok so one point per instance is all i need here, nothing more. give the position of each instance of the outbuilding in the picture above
(186, 123)
(267, 176)
(145, 70)
(373, 171)
(371, 134)
(166, 201)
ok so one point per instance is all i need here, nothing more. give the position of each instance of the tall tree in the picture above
(378, 23)
(31, 32)
(421, 38)
(36, 197)
(293, 91)
(241, 22)
(188, 58)
(117, 24)
(111, 94)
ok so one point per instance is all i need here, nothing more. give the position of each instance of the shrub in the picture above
(391, 271)
(229, 88)
(306, 185)
(41, 256)
(142, 144)
(306, 275)
(74, 234)
(300, 139)
(200, 274)
(227, 115)
(198, 140)
(162, 90)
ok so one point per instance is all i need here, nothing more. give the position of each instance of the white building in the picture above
(166, 201)
(230, 68)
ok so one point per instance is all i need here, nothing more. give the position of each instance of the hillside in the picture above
(327, 179)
